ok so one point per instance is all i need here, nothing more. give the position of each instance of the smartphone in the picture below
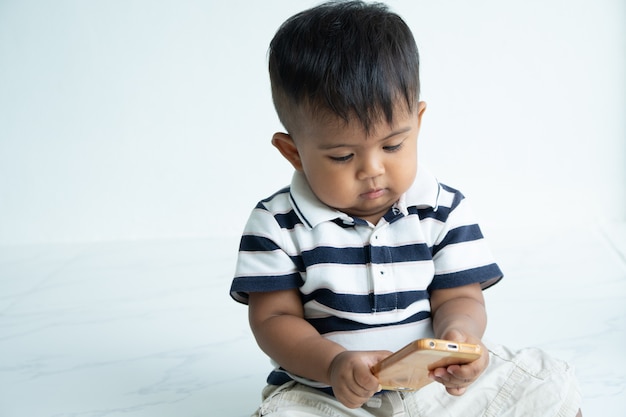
(407, 369)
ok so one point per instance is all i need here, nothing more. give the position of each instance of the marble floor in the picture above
(147, 328)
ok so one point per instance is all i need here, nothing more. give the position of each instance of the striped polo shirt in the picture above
(363, 286)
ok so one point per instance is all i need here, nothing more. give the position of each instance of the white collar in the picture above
(423, 193)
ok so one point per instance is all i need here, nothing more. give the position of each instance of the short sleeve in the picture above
(460, 253)
(263, 265)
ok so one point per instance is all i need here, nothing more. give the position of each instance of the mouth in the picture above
(373, 194)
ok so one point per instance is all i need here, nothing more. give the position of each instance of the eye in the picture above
(345, 158)
(393, 148)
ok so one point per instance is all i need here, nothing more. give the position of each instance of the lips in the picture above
(373, 194)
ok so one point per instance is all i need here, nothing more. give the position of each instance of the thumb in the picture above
(379, 355)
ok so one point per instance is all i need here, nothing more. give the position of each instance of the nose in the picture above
(371, 166)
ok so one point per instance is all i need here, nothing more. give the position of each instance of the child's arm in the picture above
(276, 319)
(459, 315)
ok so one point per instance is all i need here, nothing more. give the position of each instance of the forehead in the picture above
(327, 127)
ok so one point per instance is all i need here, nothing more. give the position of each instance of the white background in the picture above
(127, 126)
(152, 119)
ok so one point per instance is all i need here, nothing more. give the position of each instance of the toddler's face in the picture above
(359, 174)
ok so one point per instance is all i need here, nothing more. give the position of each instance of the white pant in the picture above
(522, 383)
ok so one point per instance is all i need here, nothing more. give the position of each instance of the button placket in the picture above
(384, 254)
(381, 263)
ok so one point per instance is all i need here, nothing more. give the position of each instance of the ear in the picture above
(421, 108)
(287, 147)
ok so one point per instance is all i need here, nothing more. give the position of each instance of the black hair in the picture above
(350, 59)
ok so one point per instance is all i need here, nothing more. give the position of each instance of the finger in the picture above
(462, 372)
(441, 373)
(350, 399)
(358, 392)
(350, 402)
(455, 387)
(364, 378)
(461, 377)
(470, 370)
(450, 381)
(379, 355)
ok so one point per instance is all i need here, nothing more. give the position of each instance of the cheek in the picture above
(332, 187)
(405, 170)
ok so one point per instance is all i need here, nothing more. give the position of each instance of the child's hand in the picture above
(456, 378)
(351, 378)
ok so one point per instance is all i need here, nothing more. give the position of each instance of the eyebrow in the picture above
(390, 135)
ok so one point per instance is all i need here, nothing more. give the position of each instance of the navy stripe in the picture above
(458, 196)
(347, 256)
(331, 255)
(244, 285)
(295, 206)
(251, 243)
(279, 377)
(344, 224)
(287, 220)
(440, 215)
(261, 203)
(415, 252)
(459, 235)
(396, 301)
(442, 212)
(336, 324)
(365, 303)
(364, 255)
(393, 214)
(481, 274)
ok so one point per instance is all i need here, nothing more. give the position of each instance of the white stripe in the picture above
(461, 256)
(390, 338)
(313, 309)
